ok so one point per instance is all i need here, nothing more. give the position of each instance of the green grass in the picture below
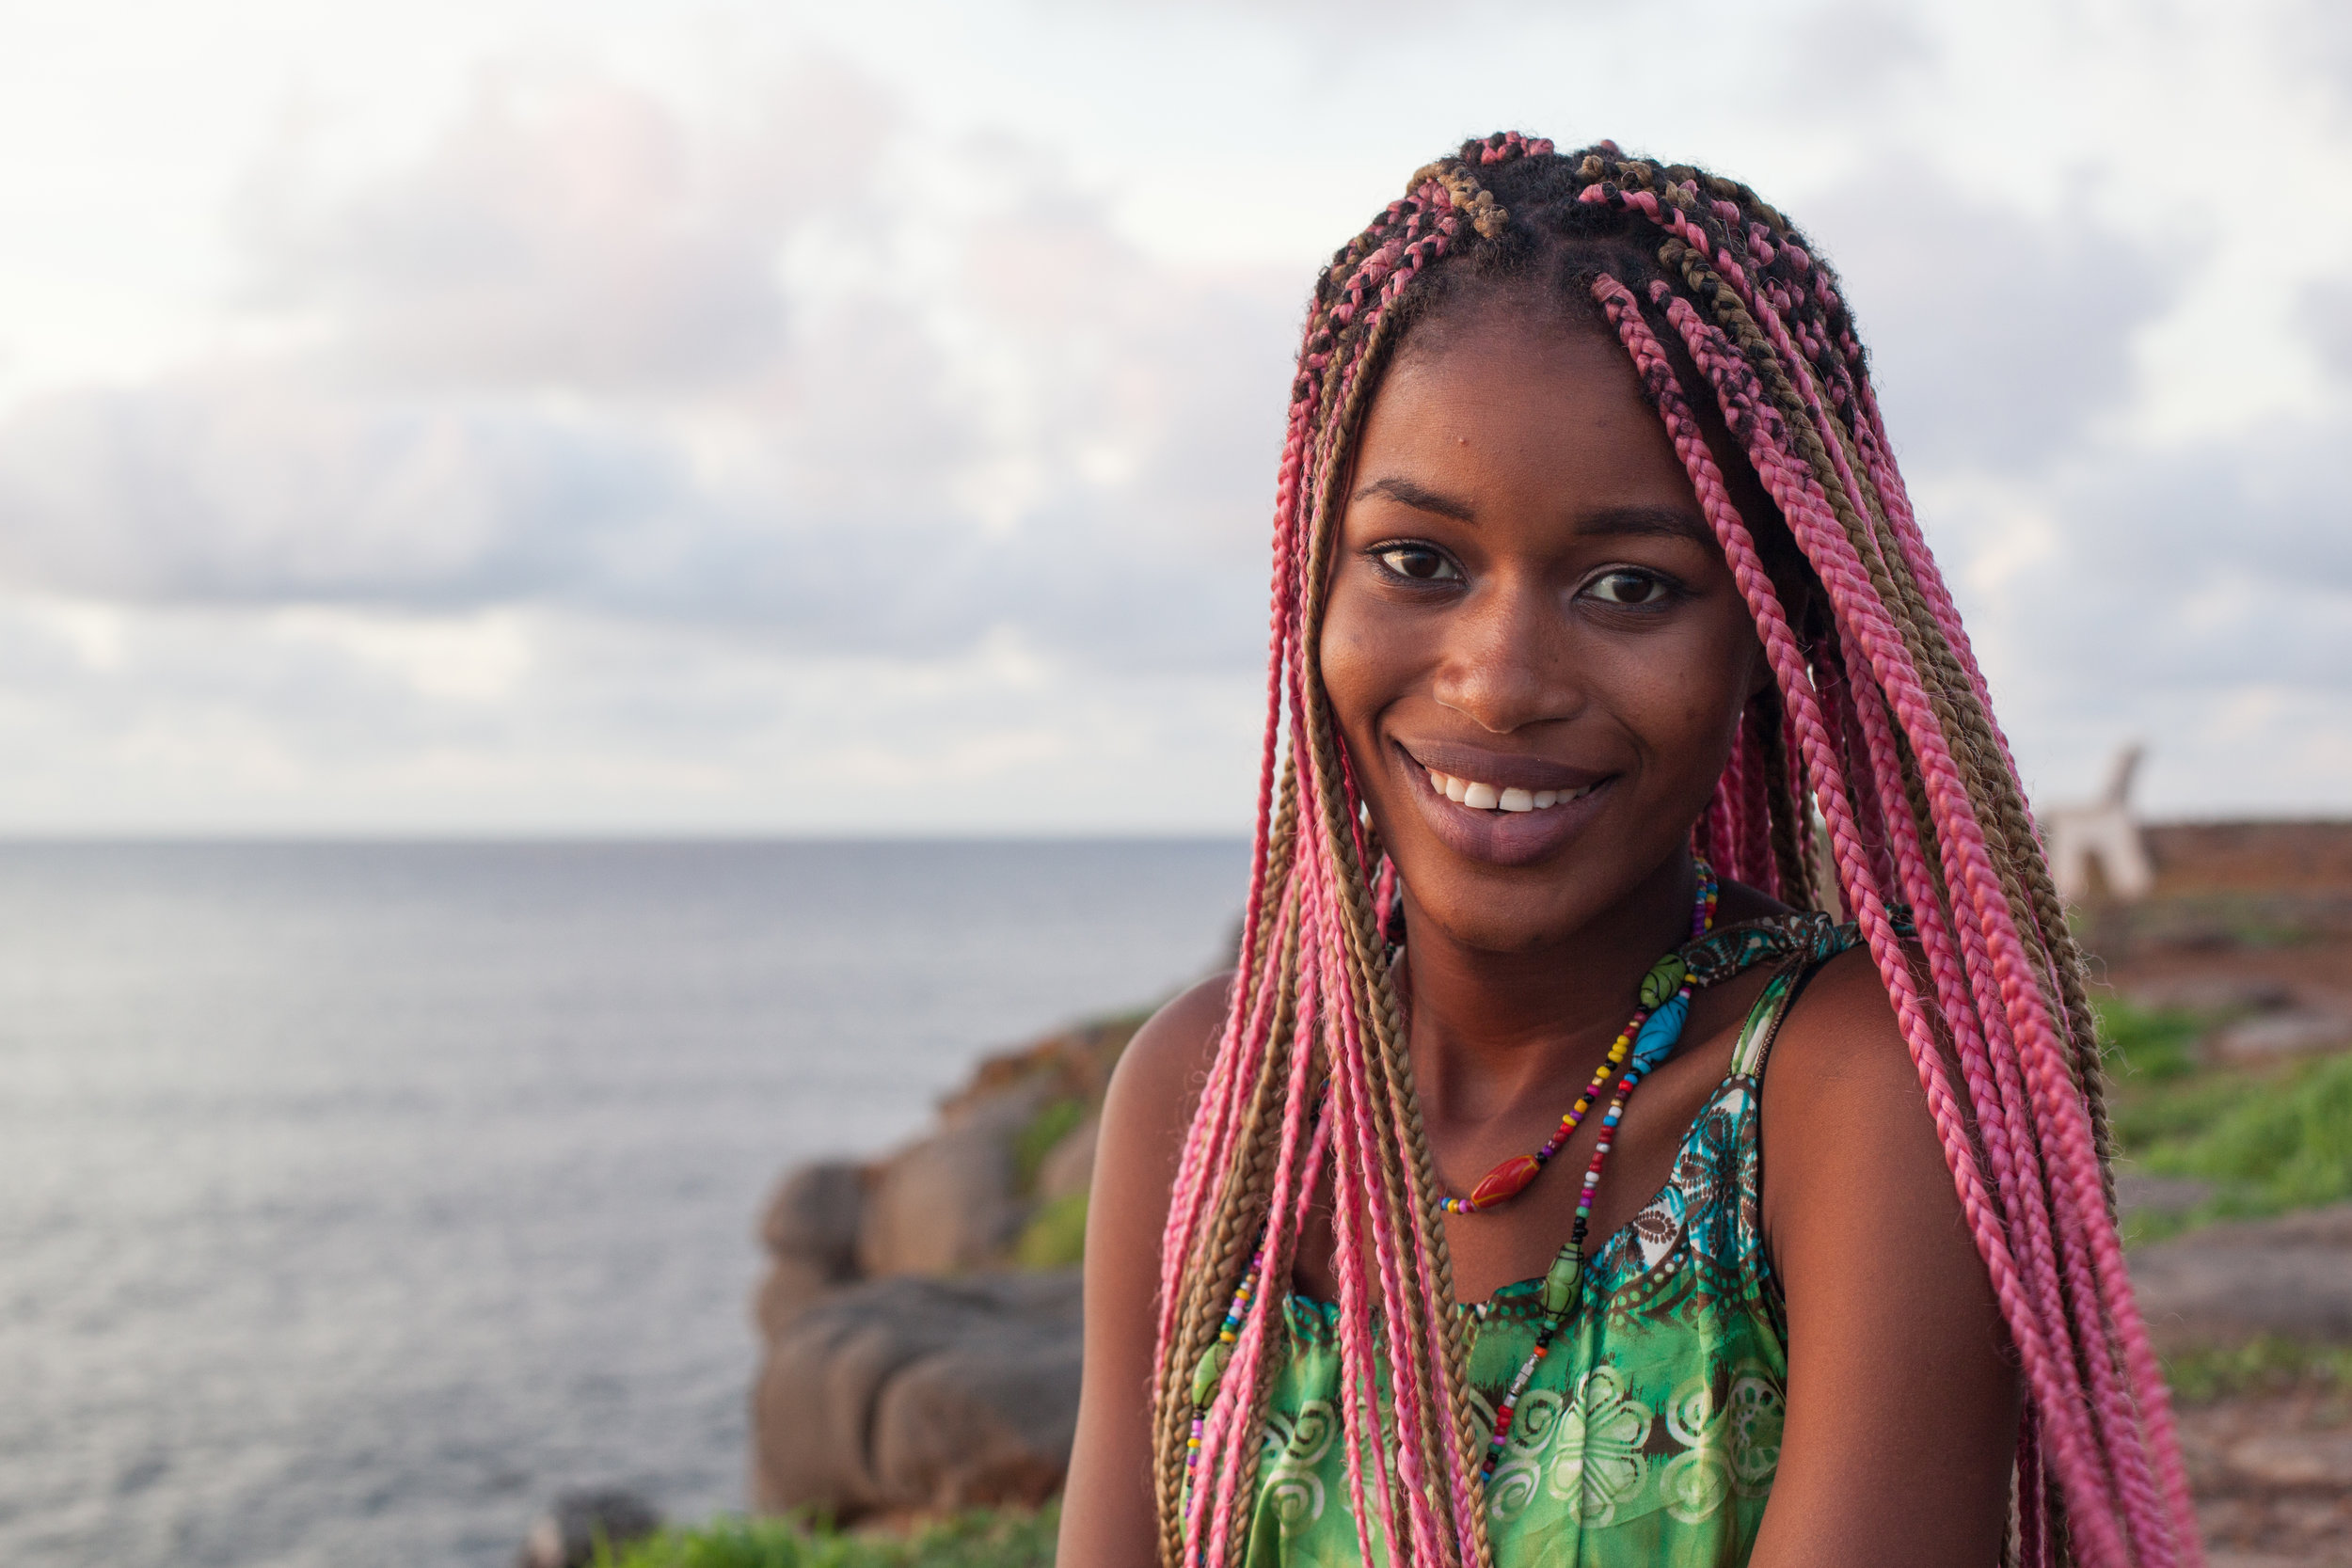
(1056, 1235)
(2269, 1139)
(1054, 1121)
(979, 1540)
(2267, 1365)
(2149, 1044)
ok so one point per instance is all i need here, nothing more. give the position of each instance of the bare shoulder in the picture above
(1147, 1110)
(1890, 1311)
(1108, 1511)
(1158, 1081)
(1842, 1101)
(1841, 1030)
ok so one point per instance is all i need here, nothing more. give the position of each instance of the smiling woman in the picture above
(1528, 553)
(1610, 674)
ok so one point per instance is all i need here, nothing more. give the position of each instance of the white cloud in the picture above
(575, 417)
(562, 359)
(603, 431)
(1999, 339)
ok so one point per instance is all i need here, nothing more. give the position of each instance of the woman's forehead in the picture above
(1501, 404)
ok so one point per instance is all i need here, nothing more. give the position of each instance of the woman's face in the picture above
(1527, 600)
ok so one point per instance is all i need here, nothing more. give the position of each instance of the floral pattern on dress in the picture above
(1598, 1459)
(1753, 1417)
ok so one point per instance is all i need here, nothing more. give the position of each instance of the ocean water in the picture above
(354, 1198)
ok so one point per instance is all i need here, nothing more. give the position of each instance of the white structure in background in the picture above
(2104, 829)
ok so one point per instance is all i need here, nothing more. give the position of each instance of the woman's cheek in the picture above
(1348, 657)
(1695, 701)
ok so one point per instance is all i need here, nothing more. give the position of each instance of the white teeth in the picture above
(1487, 796)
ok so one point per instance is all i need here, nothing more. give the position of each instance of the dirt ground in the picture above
(2273, 1479)
(2251, 916)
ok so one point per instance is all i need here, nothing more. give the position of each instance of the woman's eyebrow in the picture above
(1656, 521)
(1419, 498)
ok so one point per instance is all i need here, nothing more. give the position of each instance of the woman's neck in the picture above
(1488, 1028)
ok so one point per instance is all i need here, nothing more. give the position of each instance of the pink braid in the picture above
(1967, 863)
(1355, 1198)
(1227, 1414)
(1357, 1359)
(1242, 1038)
(1865, 900)
(1233, 1417)
(1407, 1401)
(2020, 1001)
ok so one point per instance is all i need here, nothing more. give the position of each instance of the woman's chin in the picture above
(1503, 926)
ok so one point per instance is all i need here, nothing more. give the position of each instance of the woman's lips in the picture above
(1503, 769)
(1488, 810)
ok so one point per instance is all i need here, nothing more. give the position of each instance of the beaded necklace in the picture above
(1653, 1041)
(1648, 1038)
(1657, 1018)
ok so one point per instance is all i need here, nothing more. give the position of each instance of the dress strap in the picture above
(1824, 939)
(1721, 953)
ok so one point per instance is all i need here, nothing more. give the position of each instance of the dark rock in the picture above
(2229, 1283)
(811, 1231)
(948, 1203)
(921, 1394)
(567, 1534)
(814, 1216)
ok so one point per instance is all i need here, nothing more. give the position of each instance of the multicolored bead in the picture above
(1562, 1278)
(1505, 1181)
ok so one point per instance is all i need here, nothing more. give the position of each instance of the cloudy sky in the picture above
(590, 415)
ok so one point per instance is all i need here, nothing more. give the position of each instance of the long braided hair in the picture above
(1871, 765)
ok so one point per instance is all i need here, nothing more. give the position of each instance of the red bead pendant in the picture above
(1505, 1181)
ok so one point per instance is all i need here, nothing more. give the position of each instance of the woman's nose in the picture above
(1500, 664)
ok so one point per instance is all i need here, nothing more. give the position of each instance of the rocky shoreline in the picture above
(920, 1312)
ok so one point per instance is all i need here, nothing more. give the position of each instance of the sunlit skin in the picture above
(1525, 589)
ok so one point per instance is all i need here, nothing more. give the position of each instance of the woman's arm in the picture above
(1109, 1517)
(1902, 1392)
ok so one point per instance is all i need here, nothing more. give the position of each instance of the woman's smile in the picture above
(1493, 806)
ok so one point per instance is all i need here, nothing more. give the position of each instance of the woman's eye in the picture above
(1419, 563)
(1627, 587)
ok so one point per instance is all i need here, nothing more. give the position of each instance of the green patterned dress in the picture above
(1651, 1432)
